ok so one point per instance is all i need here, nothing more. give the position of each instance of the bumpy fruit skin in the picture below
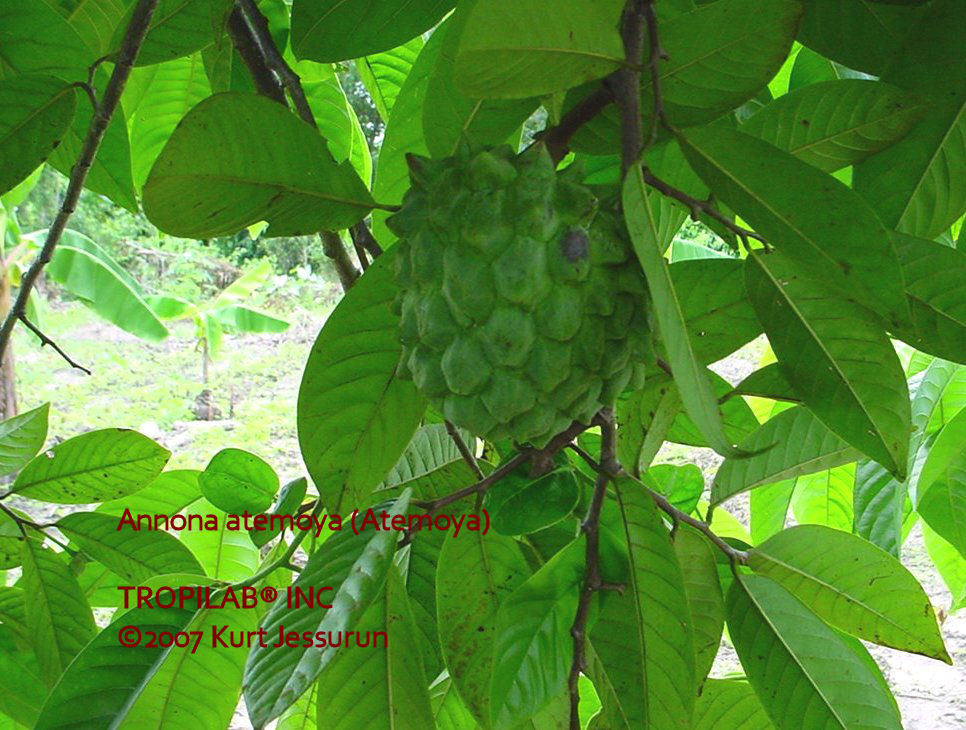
(521, 306)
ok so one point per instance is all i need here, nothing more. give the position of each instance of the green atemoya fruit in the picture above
(522, 307)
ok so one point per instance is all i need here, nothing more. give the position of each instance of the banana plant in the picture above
(223, 312)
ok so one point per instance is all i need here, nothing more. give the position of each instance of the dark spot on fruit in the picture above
(575, 245)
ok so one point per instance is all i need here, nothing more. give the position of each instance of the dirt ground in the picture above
(153, 388)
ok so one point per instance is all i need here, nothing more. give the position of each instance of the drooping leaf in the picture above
(351, 402)
(385, 73)
(719, 316)
(533, 645)
(96, 284)
(645, 638)
(738, 418)
(236, 159)
(337, 30)
(238, 481)
(93, 467)
(339, 124)
(56, 613)
(355, 567)
(135, 555)
(644, 418)
(941, 491)
(396, 689)
(705, 600)
(536, 47)
(689, 375)
(817, 222)
(836, 357)
(804, 673)
(877, 505)
(475, 575)
(795, 443)
(950, 564)
(835, 124)
(167, 91)
(853, 585)
(288, 502)
(21, 437)
(35, 113)
(729, 703)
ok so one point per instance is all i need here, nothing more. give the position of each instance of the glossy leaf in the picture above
(853, 585)
(796, 443)
(238, 481)
(836, 357)
(21, 437)
(355, 566)
(682, 485)
(395, 685)
(169, 493)
(695, 389)
(474, 577)
(351, 402)
(134, 555)
(536, 47)
(817, 222)
(35, 112)
(804, 674)
(93, 467)
(336, 30)
(834, 124)
(237, 159)
(385, 73)
(56, 612)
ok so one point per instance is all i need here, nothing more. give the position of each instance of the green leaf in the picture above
(13, 613)
(449, 117)
(35, 112)
(236, 159)
(169, 493)
(834, 124)
(36, 38)
(854, 586)
(431, 465)
(168, 91)
(803, 672)
(536, 47)
(860, 34)
(695, 389)
(682, 485)
(950, 564)
(337, 30)
(355, 567)
(518, 509)
(178, 28)
(238, 481)
(827, 230)
(877, 505)
(243, 319)
(396, 689)
(134, 555)
(21, 437)
(385, 73)
(913, 185)
(729, 703)
(702, 587)
(797, 443)
(474, 576)
(56, 612)
(93, 467)
(533, 647)
(339, 124)
(644, 638)
(719, 316)
(836, 357)
(185, 690)
(769, 508)
(421, 587)
(355, 416)
(23, 692)
(95, 21)
(942, 484)
(644, 418)
(102, 290)
(110, 173)
(225, 554)
(934, 276)
(739, 419)
(97, 684)
(720, 55)
(825, 498)
(767, 382)
(289, 500)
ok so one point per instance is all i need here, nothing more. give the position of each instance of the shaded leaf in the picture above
(36, 38)
(21, 437)
(825, 498)
(729, 703)
(238, 481)
(384, 73)
(705, 600)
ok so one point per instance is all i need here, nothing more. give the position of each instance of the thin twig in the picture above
(557, 138)
(677, 515)
(476, 488)
(285, 560)
(136, 31)
(592, 578)
(629, 83)
(464, 450)
(45, 340)
(360, 253)
(656, 55)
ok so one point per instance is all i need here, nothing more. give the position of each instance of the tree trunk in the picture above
(8, 379)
